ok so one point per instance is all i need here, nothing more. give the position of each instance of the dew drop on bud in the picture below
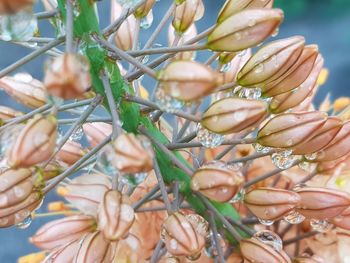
(269, 238)
(25, 223)
(209, 139)
(266, 222)
(259, 68)
(134, 179)
(250, 93)
(320, 225)
(147, 21)
(210, 247)
(167, 103)
(275, 33)
(261, 149)
(77, 135)
(294, 218)
(238, 197)
(310, 157)
(307, 166)
(284, 159)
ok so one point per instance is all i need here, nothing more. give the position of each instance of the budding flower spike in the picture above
(221, 159)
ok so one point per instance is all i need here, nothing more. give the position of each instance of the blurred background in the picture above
(323, 22)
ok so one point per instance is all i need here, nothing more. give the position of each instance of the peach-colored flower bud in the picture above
(68, 76)
(35, 143)
(184, 235)
(271, 61)
(236, 64)
(144, 9)
(186, 14)
(62, 231)
(85, 192)
(232, 7)
(321, 138)
(271, 203)
(96, 132)
(187, 80)
(189, 34)
(115, 215)
(63, 254)
(124, 37)
(288, 130)
(338, 147)
(131, 154)
(13, 6)
(288, 100)
(217, 181)
(254, 250)
(322, 203)
(71, 152)
(7, 113)
(295, 75)
(230, 115)
(342, 220)
(330, 167)
(95, 248)
(245, 29)
(24, 89)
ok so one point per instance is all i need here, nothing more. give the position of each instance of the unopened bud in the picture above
(64, 253)
(13, 6)
(144, 9)
(186, 14)
(7, 113)
(96, 132)
(71, 152)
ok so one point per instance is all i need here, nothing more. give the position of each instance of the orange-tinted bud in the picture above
(322, 203)
(189, 34)
(288, 130)
(96, 132)
(7, 113)
(144, 9)
(186, 14)
(217, 181)
(131, 154)
(245, 29)
(13, 6)
(342, 220)
(234, 6)
(187, 80)
(68, 76)
(115, 216)
(341, 103)
(70, 152)
(24, 89)
(62, 231)
(271, 203)
(230, 115)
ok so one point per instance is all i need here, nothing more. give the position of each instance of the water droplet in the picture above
(284, 159)
(266, 222)
(199, 223)
(238, 197)
(77, 135)
(25, 223)
(261, 149)
(238, 36)
(307, 166)
(210, 247)
(19, 191)
(166, 102)
(54, 101)
(311, 156)
(251, 22)
(269, 238)
(147, 21)
(275, 33)
(320, 225)
(173, 244)
(259, 68)
(23, 77)
(207, 138)
(134, 179)
(226, 67)
(250, 93)
(294, 218)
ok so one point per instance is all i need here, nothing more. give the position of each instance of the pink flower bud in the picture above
(24, 89)
(36, 142)
(184, 235)
(131, 155)
(7, 113)
(342, 220)
(189, 34)
(338, 147)
(217, 181)
(86, 192)
(295, 75)
(330, 167)
(186, 14)
(322, 203)
(236, 64)
(271, 61)
(95, 248)
(144, 9)
(271, 203)
(62, 231)
(63, 254)
(188, 80)
(13, 6)
(293, 98)
(245, 29)
(232, 7)
(287, 130)
(96, 132)
(321, 138)
(68, 76)
(71, 152)
(230, 115)
(115, 216)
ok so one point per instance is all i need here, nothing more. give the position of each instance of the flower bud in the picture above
(7, 113)
(232, 7)
(189, 34)
(124, 36)
(85, 192)
(68, 76)
(131, 155)
(71, 152)
(288, 130)
(342, 220)
(295, 75)
(230, 115)
(217, 181)
(271, 61)
(64, 253)
(338, 147)
(95, 248)
(144, 9)
(245, 29)
(321, 138)
(62, 231)
(24, 89)
(115, 215)
(287, 100)
(330, 167)
(36, 142)
(96, 132)
(186, 14)
(254, 250)
(322, 203)
(13, 6)
(236, 63)
(184, 235)
(187, 80)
